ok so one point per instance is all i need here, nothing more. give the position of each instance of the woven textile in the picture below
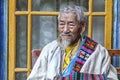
(84, 76)
(83, 54)
(86, 48)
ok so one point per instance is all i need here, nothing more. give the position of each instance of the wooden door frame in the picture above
(29, 14)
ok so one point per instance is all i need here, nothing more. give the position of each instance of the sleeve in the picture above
(112, 73)
(108, 68)
(39, 70)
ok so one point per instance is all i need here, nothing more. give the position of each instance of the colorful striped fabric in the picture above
(86, 48)
(84, 76)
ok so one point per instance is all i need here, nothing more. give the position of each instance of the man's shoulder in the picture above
(92, 43)
(89, 43)
(92, 40)
(51, 44)
(54, 42)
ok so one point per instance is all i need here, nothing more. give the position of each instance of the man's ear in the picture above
(83, 28)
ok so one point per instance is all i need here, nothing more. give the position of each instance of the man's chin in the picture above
(65, 43)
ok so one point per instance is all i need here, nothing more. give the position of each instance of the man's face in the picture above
(69, 27)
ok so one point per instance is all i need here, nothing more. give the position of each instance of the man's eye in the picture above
(71, 24)
(61, 23)
(61, 27)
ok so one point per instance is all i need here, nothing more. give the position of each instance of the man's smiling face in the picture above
(69, 27)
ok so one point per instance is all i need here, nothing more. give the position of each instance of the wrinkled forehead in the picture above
(68, 15)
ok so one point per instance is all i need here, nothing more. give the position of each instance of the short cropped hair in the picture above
(77, 9)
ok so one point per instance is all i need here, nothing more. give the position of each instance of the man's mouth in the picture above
(66, 37)
(70, 34)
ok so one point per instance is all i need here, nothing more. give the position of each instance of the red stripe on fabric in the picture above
(95, 77)
(90, 76)
(80, 62)
(85, 76)
(101, 77)
(87, 49)
(70, 76)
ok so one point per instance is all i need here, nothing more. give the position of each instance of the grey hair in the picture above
(77, 9)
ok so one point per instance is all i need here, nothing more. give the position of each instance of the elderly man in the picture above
(71, 52)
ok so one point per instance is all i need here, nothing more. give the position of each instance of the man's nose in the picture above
(66, 29)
